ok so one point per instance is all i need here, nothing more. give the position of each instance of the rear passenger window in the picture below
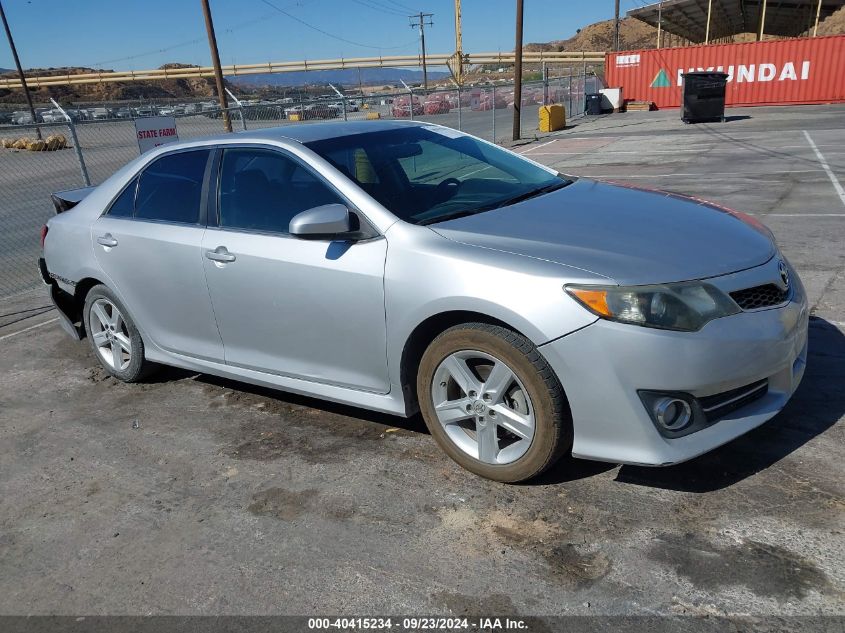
(170, 189)
(124, 205)
(261, 190)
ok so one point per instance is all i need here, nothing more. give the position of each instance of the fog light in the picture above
(672, 414)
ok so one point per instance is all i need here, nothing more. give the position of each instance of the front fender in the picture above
(427, 274)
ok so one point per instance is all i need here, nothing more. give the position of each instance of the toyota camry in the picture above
(405, 267)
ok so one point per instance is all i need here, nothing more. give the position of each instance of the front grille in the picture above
(764, 296)
(721, 404)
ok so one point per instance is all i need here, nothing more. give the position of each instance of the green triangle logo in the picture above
(661, 80)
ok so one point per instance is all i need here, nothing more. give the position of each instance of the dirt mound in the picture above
(834, 25)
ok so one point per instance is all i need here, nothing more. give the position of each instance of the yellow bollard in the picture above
(552, 117)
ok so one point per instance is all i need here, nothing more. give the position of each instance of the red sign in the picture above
(806, 70)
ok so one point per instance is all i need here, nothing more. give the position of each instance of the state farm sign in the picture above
(806, 70)
(154, 131)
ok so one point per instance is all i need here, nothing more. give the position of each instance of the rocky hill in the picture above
(834, 25)
(633, 34)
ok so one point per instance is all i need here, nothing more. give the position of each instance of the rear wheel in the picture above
(493, 403)
(116, 342)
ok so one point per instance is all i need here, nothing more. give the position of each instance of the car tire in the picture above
(505, 431)
(114, 338)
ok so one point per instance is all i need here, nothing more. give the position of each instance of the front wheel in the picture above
(493, 403)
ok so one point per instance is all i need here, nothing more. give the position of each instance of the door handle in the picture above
(221, 255)
(107, 240)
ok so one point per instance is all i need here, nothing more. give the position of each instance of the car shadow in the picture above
(737, 117)
(817, 405)
(413, 424)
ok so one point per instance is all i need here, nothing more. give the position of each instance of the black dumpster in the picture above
(593, 105)
(704, 97)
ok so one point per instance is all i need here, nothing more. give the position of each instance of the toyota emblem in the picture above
(784, 273)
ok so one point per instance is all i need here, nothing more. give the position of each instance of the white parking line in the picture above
(801, 215)
(531, 149)
(838, 187)
(733, 174)
(27, 329)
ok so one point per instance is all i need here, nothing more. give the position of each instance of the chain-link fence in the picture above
(93, 147)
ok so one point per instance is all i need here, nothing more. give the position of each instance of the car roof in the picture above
(307, 132)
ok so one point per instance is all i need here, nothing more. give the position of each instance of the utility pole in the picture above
(616, 28)
(419, 20)
(659, 23)
(459, 52)
(215, 59)
(517, 73)
(20, 71)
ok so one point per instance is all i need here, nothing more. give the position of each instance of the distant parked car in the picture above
(20, 117)
(99, 114)
(321, 111)
(437, 104)
(53, 116)
(402, 107)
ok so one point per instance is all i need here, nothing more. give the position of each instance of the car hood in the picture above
(631, 235)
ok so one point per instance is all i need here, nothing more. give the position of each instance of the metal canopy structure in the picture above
(706, 20)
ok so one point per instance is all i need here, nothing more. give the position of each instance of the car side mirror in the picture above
(326, 222)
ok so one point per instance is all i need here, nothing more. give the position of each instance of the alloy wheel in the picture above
(483, 407)
(110, 334)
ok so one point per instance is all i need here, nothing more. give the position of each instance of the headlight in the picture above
(686, 306)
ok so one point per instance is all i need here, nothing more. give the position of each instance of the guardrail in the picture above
(535, 57)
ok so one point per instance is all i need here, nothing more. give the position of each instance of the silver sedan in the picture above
(405, 267)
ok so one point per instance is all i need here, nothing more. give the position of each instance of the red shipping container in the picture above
(796, 71)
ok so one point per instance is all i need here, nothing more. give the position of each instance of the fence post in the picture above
(75, 140)
(584, 105)
(343, 101)
(460, 127)
(82, 168)
(569, 95)
(411, 103)
(493, 108)
(545, 84)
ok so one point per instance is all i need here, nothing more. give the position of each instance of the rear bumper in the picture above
(603, 366)
(64, 303)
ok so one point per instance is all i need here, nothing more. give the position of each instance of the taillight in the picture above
(44, 230)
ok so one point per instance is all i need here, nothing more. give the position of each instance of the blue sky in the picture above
(138, 34)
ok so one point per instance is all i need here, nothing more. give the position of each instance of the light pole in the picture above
(517, 73)
(20, 70)
(215, 59)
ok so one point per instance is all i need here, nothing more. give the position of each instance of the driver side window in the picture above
(262, 190)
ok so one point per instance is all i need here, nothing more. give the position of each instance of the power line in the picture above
(326, 33)
(400, 5)
(379, 7)
(166, 49)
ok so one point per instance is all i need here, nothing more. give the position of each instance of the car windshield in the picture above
(429, 174)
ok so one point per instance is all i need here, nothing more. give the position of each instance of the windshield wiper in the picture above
(449, 216)
(533, 193)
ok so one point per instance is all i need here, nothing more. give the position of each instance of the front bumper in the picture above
(602, 367)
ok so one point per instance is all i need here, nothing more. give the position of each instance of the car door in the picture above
(149, 242)
(288, 306)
